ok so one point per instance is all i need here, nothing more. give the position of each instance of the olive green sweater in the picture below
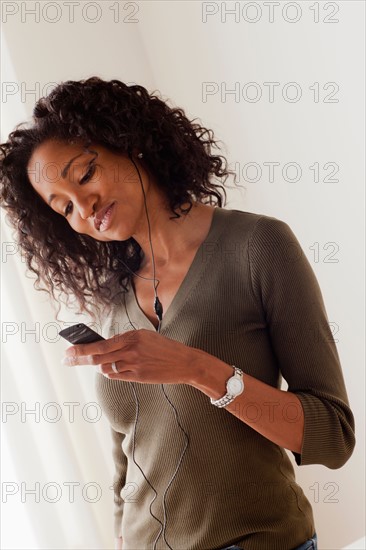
(251, 299)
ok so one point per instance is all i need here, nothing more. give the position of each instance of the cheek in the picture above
(83, 228)
(80, 226)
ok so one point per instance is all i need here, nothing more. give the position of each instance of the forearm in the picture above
(276, 414)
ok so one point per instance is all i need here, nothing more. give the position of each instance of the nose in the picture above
(86, 206)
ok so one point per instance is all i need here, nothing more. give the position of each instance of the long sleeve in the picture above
(287, 292)
(120, 461)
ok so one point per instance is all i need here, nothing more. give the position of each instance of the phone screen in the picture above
(80, 334)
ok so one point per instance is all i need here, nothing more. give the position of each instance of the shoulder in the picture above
(252, 223)
(263, 236)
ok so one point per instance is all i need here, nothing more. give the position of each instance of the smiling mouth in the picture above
(104, 223)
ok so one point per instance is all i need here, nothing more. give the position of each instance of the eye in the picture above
(67, 212)
(83, 180)
(88, 175)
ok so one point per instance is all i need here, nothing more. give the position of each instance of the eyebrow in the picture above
(64, 173)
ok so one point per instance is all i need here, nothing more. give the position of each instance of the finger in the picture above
(124, 375)
(76, 360)
(103, 346)
(103, 359)
(107, 370)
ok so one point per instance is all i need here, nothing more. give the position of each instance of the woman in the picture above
(204, 309)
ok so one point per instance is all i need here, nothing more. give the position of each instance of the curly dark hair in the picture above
(120, 118)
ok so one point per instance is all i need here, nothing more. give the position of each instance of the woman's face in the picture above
(77, 182)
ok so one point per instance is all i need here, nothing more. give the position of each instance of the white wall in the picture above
(174, 48)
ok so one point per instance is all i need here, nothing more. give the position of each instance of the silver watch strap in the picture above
(227, 398)
(223, 401)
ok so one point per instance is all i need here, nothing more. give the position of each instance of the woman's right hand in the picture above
(118, 543)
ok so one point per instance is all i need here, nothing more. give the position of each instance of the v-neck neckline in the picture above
(190, 278)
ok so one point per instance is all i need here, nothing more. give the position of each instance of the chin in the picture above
(104, 238)
(109, 236)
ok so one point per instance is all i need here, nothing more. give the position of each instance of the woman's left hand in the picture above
(140, 355)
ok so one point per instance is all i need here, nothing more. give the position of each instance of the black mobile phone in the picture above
(80, 334)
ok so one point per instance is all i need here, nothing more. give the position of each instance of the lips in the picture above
(100, 215)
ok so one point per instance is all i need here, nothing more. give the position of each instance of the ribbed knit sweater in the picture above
(251, 299)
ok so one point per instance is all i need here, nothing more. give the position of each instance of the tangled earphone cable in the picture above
(158, 308)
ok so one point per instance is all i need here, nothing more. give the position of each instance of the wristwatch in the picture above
(234, 387)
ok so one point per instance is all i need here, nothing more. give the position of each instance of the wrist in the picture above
(210, 374)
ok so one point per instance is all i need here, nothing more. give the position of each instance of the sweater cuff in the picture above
(330, 448)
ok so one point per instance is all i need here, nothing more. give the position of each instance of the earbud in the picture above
(129, 152)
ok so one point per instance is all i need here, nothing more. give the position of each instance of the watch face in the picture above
(235, 386)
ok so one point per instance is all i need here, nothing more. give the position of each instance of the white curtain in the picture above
(220, 61)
